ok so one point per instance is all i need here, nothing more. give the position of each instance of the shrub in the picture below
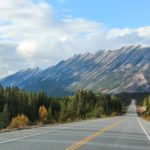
(19, 121)
(114, 114)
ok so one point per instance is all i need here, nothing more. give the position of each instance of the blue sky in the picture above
(44, 32)
(114, 13)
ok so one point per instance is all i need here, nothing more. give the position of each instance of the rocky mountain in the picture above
(111, 71)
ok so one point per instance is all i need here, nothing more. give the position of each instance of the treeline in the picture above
(86, 104)
(127, 97)
(20, 106)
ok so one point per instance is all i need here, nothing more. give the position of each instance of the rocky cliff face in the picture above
(124, 70)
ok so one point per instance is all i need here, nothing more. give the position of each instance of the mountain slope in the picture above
(124, 70)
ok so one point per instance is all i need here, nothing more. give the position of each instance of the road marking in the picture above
(28, 136)
(93, 136)
(148, 137)
(66, 127)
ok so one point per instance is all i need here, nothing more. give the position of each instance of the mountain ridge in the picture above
(110, 71)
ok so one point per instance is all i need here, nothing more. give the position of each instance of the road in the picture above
(128, 132)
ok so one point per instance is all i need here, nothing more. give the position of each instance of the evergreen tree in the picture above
(5, 116)
(1, 121)
(49, 115)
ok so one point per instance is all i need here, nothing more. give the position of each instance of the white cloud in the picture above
(144, 32)
(31, 34)
(118, 33)
(27, 49)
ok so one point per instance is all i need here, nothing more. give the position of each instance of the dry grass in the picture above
(141, 111)
(147, 117)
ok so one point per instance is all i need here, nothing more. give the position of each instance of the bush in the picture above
(114, 114)
(19, 121)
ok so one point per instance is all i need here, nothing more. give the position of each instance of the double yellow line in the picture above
(93, 136)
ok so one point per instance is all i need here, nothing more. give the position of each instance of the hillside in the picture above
(110, 71)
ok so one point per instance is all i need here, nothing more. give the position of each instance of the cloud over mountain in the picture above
(33, 34)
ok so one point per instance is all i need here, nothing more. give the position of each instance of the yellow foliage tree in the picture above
(43, 113)
(19, 121)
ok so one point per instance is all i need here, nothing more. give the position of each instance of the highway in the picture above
(128, 132)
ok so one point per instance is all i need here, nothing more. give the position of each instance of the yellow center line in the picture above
(93, 136)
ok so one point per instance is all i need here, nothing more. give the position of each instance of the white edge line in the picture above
(24, 137)
(28, 136)
(148, 137)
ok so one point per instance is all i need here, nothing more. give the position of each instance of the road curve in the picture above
(128, 132)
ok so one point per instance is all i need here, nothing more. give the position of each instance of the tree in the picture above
(56, 109)
(146, 103)
(43, 113)
(5, 116)
(49, 115)
(1, 121)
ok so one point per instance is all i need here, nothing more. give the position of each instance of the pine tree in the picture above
(1, 121)
(5, 116)
(49, 115)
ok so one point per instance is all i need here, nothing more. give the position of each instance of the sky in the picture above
(44, 32)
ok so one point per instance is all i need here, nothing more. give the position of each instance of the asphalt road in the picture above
(128, 132)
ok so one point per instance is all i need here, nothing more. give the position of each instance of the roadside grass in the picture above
(141, 110)
(52, 123)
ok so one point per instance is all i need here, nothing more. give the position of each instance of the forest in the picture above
(19, 108)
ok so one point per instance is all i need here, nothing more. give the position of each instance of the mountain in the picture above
(110, 71)
(19, 78)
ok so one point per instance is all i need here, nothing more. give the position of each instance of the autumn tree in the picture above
(43, 113)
